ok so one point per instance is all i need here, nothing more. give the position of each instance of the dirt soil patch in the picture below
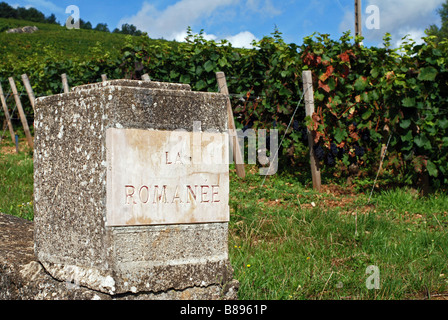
(9, 149)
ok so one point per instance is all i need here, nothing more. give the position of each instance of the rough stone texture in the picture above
(159, 177)
(22, 277)
(71, 238)
(134, 84)
(26, 29)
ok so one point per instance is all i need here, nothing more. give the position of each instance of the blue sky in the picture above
(241, 21)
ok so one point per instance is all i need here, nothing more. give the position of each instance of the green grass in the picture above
(58, 41)
(16, 181)
(283, 247)
(70, 44)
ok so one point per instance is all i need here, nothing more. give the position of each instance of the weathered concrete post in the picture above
(131, 190)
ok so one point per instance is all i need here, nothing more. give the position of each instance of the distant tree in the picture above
(85, 25)
(22, 13)
(30, 14)
(102, 27)
(51, 19)
(130, 29)
(442, 32)
(88, 25)
(6, 11)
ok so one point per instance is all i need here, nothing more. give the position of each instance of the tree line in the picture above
(442, 31)
(34, 15)
(125, 28)
(30, 14)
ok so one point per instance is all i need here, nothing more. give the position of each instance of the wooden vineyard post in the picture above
(234, 143)
(29, 138)
(29, 89)
(358, 18)
(104, 77)
(309, 110)
(65, 83)
(8, 117)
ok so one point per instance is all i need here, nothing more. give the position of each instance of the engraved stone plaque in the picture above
(166, 177)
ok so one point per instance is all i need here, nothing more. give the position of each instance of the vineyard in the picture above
(365, 98)
(286, 240)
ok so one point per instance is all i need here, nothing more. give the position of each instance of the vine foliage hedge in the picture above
(364, 97)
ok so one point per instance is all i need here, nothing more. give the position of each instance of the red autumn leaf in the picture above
(329, 106)
(344, 57)
(325, 63)
(323, 77)
(351, 128)
(389, 75)
(307, 58)
(324, 87)
(341, 145)
(330, 70)
(354, 136)
(346, 71)
(317, 136)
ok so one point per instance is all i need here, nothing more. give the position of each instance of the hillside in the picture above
(83, 54)
(70, 44)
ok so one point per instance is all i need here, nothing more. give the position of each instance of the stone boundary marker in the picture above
(131, 188)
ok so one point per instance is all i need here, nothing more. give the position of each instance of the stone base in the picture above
(22, 277)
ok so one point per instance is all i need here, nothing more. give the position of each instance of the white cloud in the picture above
(175, 18)
(398, 17)
(413, 34)
(264, 7)
(243, 39)
(45, 4)
(172, 22)
(183, 34)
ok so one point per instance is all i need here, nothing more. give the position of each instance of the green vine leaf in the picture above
(428, 74)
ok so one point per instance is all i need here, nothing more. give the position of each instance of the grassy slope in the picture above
(76, 44)
(61, 41)
(16, 179)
